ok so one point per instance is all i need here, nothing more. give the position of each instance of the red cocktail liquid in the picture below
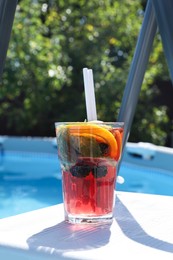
(89, 195)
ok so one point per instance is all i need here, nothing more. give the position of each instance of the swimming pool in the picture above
(28, 181)
(30, 176)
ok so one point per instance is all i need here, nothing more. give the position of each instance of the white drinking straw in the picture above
(89, 94)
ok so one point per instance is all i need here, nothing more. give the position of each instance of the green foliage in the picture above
(52, 40)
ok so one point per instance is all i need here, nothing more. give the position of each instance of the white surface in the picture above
(142, 227)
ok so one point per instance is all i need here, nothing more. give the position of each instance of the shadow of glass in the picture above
(132, 229)
(65, 237)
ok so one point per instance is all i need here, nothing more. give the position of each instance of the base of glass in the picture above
(73, 219)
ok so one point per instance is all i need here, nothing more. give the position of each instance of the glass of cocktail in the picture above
(88, 154)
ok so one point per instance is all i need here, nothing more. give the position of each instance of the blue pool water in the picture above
(146, 180)
(31, 181)
(28, 182)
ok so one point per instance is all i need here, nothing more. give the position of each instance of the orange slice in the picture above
(102, 135)
(118, 137)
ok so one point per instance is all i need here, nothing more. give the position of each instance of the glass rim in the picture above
(120, 123)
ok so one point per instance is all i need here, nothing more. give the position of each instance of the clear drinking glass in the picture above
(88, 154)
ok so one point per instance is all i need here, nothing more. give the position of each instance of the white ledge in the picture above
(146, 150)
(142, 229)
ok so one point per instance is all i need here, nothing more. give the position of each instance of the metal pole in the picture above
(137, 70)
(7, 11)
(164, 16)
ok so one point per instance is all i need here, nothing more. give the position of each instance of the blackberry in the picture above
(104, 148)
(99, 171)
(80, 170)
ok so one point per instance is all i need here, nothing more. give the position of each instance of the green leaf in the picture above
(71, 147)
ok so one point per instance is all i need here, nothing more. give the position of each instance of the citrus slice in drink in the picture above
(118, 137)
(100, 134)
